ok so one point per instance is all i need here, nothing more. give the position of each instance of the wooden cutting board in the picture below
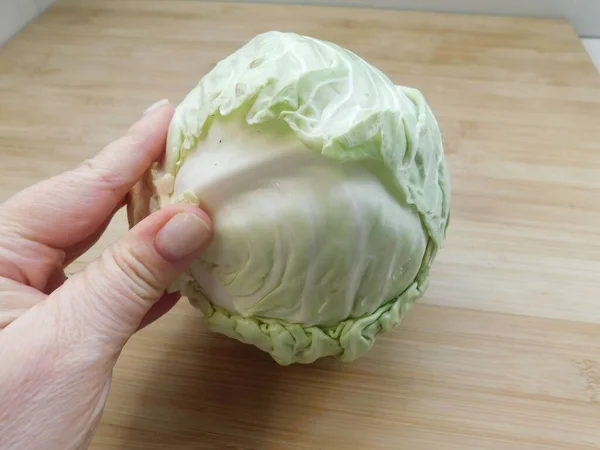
(504, 350)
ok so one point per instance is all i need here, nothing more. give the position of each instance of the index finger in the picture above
(64, 210)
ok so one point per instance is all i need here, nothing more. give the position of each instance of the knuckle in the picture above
(101, 175)
(104, 318)
(142, 282)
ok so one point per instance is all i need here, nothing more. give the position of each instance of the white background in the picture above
(583, 14)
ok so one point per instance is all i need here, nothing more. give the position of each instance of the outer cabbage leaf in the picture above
(329, 192)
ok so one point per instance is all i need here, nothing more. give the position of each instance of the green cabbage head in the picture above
(328, 189)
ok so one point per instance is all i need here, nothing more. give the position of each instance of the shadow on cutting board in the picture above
(231, 396)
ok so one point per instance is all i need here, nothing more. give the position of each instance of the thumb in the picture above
(113, 294)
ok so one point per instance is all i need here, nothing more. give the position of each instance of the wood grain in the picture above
(503, 351)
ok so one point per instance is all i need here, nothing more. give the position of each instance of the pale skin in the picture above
(60, 337)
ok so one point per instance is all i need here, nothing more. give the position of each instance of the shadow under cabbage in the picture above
(210, 391)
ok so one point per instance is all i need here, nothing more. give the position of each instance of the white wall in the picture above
(593, 48)
(584, 14)
(15, 14)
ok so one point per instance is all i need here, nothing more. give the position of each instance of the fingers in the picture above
(80, 200)
(115, 294)
(15, 300)
(76, 250)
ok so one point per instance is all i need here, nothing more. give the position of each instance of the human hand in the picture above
(59, 337)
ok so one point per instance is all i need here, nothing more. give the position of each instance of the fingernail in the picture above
(155, 105)
(183, 235)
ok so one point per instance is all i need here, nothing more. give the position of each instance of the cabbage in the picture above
(328, 189)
